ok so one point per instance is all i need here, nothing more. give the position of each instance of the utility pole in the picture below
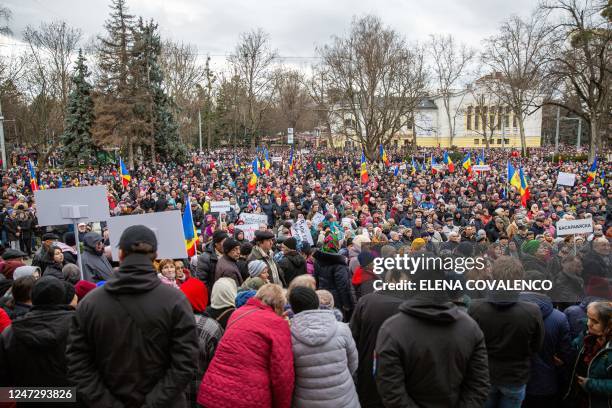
(557, 131)
(2, 146)
(200, 127)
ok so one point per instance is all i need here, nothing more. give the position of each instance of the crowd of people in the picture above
(283, 317)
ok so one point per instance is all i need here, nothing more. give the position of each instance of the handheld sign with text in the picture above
(248, 218)
(566, 179)
(300, 229)
(249, 230)
(220, 206)
(481, 167)
(571, 227)
(317, 219)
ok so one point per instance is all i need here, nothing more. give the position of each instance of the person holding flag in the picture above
(433, 165)
(266, 162)
(33, 182)
(383, 156)
(467, 164)
(189, 230)
(291, 162)
(364, 169)
(413, 169)
(524, 188)
(592, 171)
(124, 174)
(513, 177)
(449, 163)
(253, 181)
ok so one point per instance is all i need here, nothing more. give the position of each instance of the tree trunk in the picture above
(523, 139)
(153, 152)
(450, 122)
(594, 140)
(131, 154)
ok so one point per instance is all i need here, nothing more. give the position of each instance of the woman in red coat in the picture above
(253, 364)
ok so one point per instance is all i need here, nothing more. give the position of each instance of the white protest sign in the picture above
(254, 218)
(300, 229)
(249, 230)
(220, 206)
(290, 135)
(402, 167)
(481, 167)
(438, 167)
(571, 227)
(317, 219)
(305, 151)
(566, 179)
(277, 159)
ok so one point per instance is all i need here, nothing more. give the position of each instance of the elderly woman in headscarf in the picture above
(222, 300)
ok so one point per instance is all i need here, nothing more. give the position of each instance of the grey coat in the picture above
(96, 267)
(325, 360)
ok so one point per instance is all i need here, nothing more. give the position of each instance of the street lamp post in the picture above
(2, 145)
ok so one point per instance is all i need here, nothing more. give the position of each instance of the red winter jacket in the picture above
(253, 364)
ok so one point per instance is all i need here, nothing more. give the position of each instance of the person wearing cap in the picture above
(322, 348)
(159, 360)
(33, 348)
(13, 259)
(207, 260)
(292, 263)
(96, 266)
(227, 266)
(262, 250)
(48, 240)
(82, 228)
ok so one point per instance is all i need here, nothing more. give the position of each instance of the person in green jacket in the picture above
(591, 382)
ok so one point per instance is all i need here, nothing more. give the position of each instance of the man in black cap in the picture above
(292, 263)
(13, 259)
(133, 341)
(262, 250)
(227, 266)
(48, 240)
(207, 260)
(33, 348)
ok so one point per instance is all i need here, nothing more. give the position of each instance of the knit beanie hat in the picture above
(365, 258)
(243, 296)
(530, 247)
(48, 290)
(599, 287)
(69, 239)
(303, 298)
(195, 291)
(83, 287)
(254, 283)
(417, 244)
(230, 244)
(218, 236)
(290, 243)
(256, 267)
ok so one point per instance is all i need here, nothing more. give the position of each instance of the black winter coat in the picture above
(370, 313)
(114, 361)
(54, 269)
(33, 349)
(431, 355)
(293, 264)
(332, 273)
(206, 265)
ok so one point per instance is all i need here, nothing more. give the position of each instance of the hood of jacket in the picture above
(326, 258)
(91, 239)
(540, 299)
(314, 327)
(296, 259)
(442, 313)
(43, 329)
(135, 275)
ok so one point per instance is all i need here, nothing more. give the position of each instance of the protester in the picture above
(207, 261)
(253, 364)
(55, 263)
(222, 301)
(96, 266)
(292, 263)
(262, 251)
(167, 273)
(227, 266)
(133, 304)
(40, 256)
(324, 354)
(21, 292)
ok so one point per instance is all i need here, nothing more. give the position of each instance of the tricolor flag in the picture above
(433, 164)
(481, 159)
(413, 169)
(513, 177)
(124, 174)
(364, 169)
(266, 161)
(189, 230)
(592, 171)
(253, 181)
(467, 163)
(524, 188)
(291, 162)
(396, 170)
(602, 178)
(33, 182)
(449, 163)
(383, 156)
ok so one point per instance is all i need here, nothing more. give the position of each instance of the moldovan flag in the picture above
(266, 162)
(449, 163)
(189, 230)
(467, 163)
(602, 178)
(364, 169)
(413, 168)
(513, 177)
(291, 162)
(592, 171)
(524, 188)
(124, 173)
(384, 157)
(253, 181)
(33, 182)
(433, 164)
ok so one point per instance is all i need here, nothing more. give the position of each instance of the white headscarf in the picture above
(223, 293)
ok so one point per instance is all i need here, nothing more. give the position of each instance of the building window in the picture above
(477, 118)
(476, 141)
(484, 141)
(491, 141)
(514, 124)
(469, 118)
(500, 115)
(507, 141)
(484, 117)
(499, 141)
(492, 111)
(507, 117)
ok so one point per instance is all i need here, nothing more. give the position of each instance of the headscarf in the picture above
(195, 291)
(530, 247)
(330, 244)
(223, 293)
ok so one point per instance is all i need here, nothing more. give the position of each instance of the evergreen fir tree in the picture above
(77, 142)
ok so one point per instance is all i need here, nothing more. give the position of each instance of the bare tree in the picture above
(451, 62)
(582, 71)
(323, 97)
(5, 15)
(51, 50)
(490, 116)
(291, 96)
(252, 60)
(517, 57)
(379, 79)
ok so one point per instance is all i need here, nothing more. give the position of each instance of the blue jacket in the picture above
(543, 378)
(576, 316)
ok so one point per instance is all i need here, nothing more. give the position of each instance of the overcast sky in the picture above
(295, 27)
